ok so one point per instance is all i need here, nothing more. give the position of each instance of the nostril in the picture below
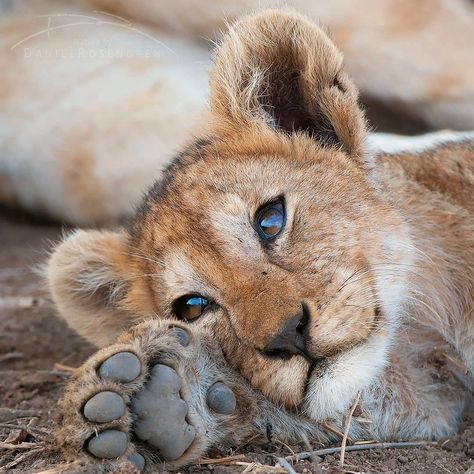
(301, 327)
(292, 339)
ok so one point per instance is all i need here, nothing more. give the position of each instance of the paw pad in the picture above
(123, 367)
(221, 399)
(162, 414)
(138, 460)
(181, 335)
(153, 410)
(109, 444)
(104, 407)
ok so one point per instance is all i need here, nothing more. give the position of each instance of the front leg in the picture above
(421, 394)
(163, 394)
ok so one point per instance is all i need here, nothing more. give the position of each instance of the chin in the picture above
(332, 387)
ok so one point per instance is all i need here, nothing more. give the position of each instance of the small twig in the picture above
(286, 465)
(19, 446)
(361, 447)
(250, 440)
(332, 429)
(314, 459)
(228, 459)
(346, 430)
(249, 468)
(443, 468)
(7, 414)
(276, 440)
(21, 458)
(11, 356)
(32, 430)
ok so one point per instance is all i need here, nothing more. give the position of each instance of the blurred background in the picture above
(96, 96)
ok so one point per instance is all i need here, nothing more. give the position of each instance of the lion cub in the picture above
(283, 267)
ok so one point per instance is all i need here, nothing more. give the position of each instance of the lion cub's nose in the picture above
(291, 340)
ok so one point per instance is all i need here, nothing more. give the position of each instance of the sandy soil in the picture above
(33, 340)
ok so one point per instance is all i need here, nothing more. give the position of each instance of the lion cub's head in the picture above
(267, 229)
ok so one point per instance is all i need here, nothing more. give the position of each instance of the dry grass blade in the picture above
(16, 436)
(249, 468)
(332, 429)
(258, 468)
(361, 447)
(470, 470)
(276, 440)
(346, 429)
(64, 468)
(20, 446)
(32, 430)
(226, 460)
(64, 368)
(7, 414)
(21, 458)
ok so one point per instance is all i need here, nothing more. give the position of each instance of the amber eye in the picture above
(270, 220)
(190, 307)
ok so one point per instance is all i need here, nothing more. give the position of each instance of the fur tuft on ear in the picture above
(278, 70)
(95, 286)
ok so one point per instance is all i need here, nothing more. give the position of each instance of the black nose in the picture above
(292, 339)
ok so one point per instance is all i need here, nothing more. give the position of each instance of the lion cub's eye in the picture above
(190, 307)
(270, 220)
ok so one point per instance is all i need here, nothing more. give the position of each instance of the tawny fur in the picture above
(379, 246)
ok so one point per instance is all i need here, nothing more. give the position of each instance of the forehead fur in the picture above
(211, 167)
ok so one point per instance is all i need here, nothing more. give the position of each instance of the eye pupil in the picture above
(195, 306)
(190, 307)
(270, 220)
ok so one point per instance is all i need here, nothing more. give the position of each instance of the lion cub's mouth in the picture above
(319, 364)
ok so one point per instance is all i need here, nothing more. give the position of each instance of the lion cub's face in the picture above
(268, 231)
(283, 252)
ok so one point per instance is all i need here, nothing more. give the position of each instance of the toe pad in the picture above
(221, 399)
(108, 444)
(137, 460)
(123, 367)
(104, 407)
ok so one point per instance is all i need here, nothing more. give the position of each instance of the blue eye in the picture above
(190, 307)
(270, 220)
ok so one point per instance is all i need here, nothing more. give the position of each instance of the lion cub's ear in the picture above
(278, 70)
(95, 285)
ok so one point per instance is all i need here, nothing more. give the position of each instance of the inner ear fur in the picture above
(95, 285)
(278, 70)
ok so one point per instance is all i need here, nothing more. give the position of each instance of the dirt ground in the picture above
(33, 342)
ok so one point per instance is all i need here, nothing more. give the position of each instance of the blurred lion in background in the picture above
(97, 96)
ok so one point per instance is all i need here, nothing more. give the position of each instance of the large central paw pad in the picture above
(158, 407)
(162, 414)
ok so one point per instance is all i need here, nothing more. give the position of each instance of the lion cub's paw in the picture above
(153, 397)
